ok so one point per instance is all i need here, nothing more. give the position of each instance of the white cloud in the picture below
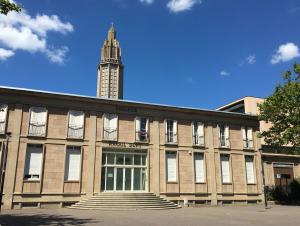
(224, 73)
(4, 54)
(147, 1)
(57, 55)
(182, 5)
(285, 53)
(251, 59)
(20, 31)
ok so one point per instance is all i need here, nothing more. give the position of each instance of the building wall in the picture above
(53, 189)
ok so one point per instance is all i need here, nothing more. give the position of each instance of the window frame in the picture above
(247, 140)
(229, 169)
(29, 122)
(193, 135)
(137, 133)
(116, 130)
(42, 163)
(226, 139)
(167, 167)
(80, 166)
(253, 168)
(6, 116)
(175, 135)
(68, 126)
(204, 168)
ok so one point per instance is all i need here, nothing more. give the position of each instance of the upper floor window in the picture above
(171, 131)
(33, 162)
(110, 131)
(75, 124)
(247, 137)
(141, 129)
(224, 135)
(38, 121)
(3, 116)
(198, 133)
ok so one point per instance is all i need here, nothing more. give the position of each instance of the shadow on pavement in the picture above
(43, 219)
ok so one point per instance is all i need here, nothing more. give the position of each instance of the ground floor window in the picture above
(33, 162)
(225, 168)
(124, 171)
(250, 169)
(73, 163)
(199, 167)
(171, 166)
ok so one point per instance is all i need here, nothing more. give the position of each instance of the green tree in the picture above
(282, 110)
(6, 6)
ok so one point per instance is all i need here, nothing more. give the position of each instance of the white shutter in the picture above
(244, 135)
(199, 168)
(227, 136)
(166, 131)
(250, 169)
(76, 124)
(3, 116)
(110, 126)
(38, 115)
(193, 133)
(200, 133)
(250, 137)
(225, 168)
(171, 167)
(137, 128)
(73, 163)
(174, 131)
(33, 162)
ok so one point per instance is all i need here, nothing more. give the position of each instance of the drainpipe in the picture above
(3, 167)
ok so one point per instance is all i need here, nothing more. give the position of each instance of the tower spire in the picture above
(110, 69)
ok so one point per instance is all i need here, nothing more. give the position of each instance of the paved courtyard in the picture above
(207, 216)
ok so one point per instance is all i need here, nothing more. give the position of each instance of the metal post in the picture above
(264, 181)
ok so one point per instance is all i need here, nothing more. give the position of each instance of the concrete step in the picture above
(124, 201)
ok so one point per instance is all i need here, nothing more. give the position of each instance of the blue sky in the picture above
(179, 52)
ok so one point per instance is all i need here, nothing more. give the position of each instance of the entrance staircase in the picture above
(124, 201)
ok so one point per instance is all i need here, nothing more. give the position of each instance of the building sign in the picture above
(124, 145)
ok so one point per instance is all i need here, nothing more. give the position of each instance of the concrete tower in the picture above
(110, 69)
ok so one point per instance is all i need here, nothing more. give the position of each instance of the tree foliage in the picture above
(6, 6)
(282, 110)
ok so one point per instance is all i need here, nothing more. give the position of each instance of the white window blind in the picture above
(141, 128)
(250, 169)
(3, 116)
(171, 167)
(76, 124)
(225, 168)
(199, 168)
(38, 119)
(73, 163)
(110, 126)
(198, 133)
(227, 136)
(33, 163)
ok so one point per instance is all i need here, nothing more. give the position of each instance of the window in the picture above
(198, 133)
(141, 129)
(223, 136)
(73, 163)
(76, 124)
(33, 162)
(225, 168)
(171, 131)
(247, 137)
(199, 167)
(250, 169)
(171, 167)
(3, 116)
(110, 127)
(38, 120)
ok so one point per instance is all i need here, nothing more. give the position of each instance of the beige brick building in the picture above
(280, 165)
(61, 148)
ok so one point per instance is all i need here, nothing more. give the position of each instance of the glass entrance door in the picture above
(124, 171)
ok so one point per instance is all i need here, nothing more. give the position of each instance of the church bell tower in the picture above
(110, 69)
